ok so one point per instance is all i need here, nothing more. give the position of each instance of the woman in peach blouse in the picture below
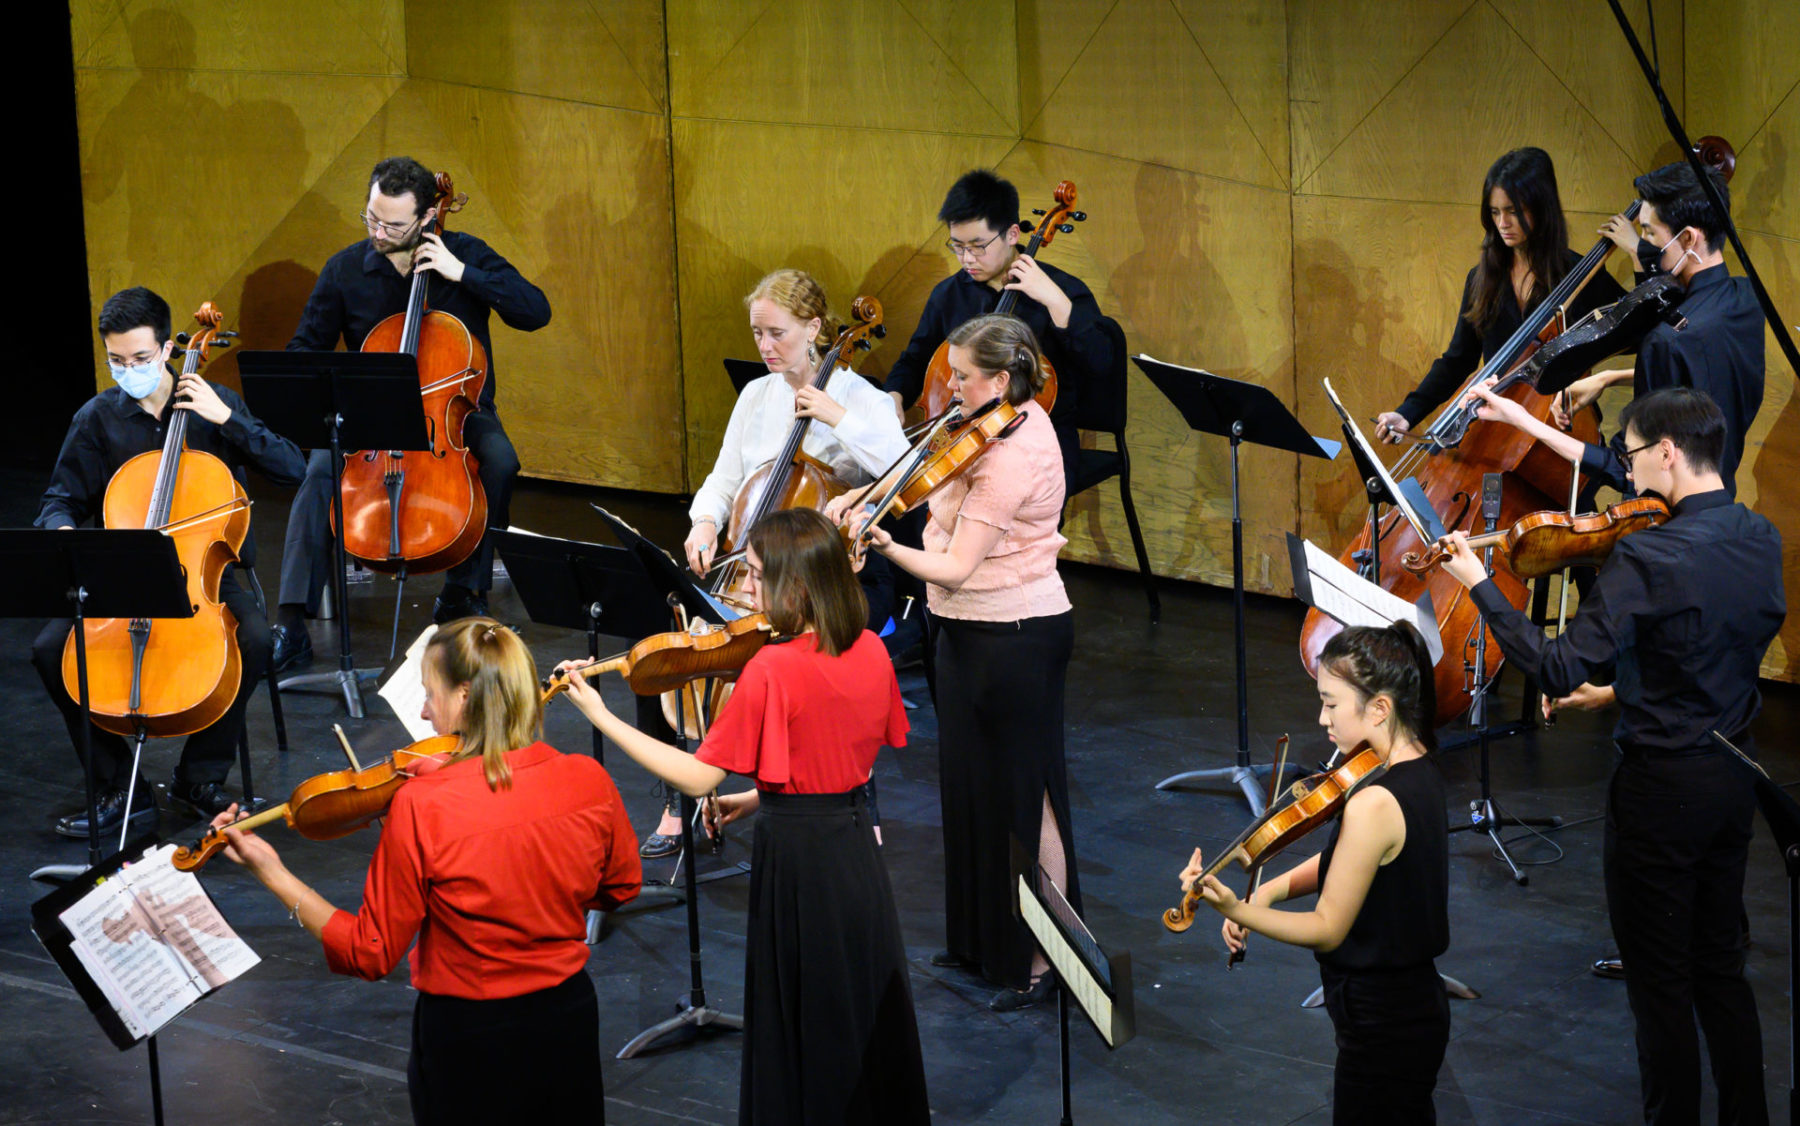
(1003, 632)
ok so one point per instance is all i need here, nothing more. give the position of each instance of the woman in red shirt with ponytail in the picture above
(491, 861)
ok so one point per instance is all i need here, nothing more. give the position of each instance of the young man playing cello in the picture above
(982, 212)
(113, 427)
(360, 286)
(1685, 611)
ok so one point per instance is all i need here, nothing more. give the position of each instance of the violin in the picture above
(951, 444)
(1061, 217)
(665, 662)
(1311, 802)
(171, 676)
(334, 804)
(421, 511)
(1546, 542)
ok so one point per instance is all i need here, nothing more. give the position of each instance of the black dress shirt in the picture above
(111, 429)
(1719, 351)
(1083, 354)
(359, 288)
(1686, 609)
(1469, 346)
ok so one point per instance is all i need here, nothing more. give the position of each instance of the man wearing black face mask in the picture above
(1720, 348)
(113, 427)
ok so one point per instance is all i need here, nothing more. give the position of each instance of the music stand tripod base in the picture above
(347, 682)
(1246, 778)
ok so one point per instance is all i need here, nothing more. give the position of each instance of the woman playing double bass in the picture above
(1382, 884)
(491, 861)
(1524, 254)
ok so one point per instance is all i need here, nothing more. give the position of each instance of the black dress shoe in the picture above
(660, 844)
(109, 807)
(1012, 1000)
(292, 648)
(950, 960)
(458, 602)
(1613, 968)
(207, 799)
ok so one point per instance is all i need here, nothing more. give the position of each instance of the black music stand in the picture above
(334, 400)
(1100, 982)
(742, 372)
(1782, 813)
(1242, 412)
(90, 573)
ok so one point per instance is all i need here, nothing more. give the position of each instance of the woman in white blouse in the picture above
(854, 431)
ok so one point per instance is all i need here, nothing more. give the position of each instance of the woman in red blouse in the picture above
(492, 861)
(829, 1030)
(1004, 632)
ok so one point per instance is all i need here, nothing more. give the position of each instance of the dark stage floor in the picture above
(290, 1043)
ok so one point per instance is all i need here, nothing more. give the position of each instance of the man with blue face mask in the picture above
(113, 427)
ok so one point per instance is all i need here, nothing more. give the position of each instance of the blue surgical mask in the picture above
(138, 380)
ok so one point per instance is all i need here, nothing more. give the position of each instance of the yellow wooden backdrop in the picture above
(1278, 190)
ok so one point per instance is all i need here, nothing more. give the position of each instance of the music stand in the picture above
(1242, 412)
(1782, 813)
(742, 372)
(99, 573)
(333, 400)
(1099, 981)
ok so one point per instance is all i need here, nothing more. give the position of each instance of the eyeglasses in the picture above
(381, 227)
(968, 249)
(1628, 455)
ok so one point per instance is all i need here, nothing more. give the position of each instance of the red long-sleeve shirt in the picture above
(495, 884)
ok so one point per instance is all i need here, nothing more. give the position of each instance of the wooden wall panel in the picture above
(1745, 87)
(604, 55)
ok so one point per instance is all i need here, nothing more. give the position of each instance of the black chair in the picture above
(281, 743)
(1100, 407)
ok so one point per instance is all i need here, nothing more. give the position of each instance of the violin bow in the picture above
(1281, 751)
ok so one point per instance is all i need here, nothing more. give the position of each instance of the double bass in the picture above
(1450, 459)
(419, 511)
(1061, 217)
(171, 676)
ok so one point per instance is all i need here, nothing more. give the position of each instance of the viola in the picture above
(419, 511)
(1061, 217)
(171, 676)
(665, 662)
(1310, 803)
(1546, 542)
(1606, 331)
(334, 804)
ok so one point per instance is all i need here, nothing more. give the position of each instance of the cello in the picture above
(1450, 459)
(419, 511)
(171, 676)
(1061, 217)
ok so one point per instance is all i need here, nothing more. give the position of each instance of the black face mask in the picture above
(1649, 257)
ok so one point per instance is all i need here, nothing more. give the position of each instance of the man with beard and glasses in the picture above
(360, 286)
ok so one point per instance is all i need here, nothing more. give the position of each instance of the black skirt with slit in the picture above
(829, 1030)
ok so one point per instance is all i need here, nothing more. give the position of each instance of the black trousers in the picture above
(533, 1058)
(1677, 838)
(306, 556)
(1392, 1028)
(1000, 751)
(209, 753)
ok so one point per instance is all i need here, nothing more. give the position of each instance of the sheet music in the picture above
(1074, 975)
(154, 942)
(1355, 601)
(1400, 499)
(405, 690)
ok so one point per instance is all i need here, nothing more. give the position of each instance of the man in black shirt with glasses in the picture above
(360, 286)
(1684, 612)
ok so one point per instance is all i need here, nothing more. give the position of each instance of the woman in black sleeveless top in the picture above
(1383, 884)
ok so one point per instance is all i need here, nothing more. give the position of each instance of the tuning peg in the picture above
(228, 335)
(1067, 228)
(880, 332)
(1037, 211)
(1078, 216)
(221, 342)
(182, 338)
(1026, 225)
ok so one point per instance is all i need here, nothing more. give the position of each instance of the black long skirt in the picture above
(1000, 751)
(532, 1058)
(829, 1031)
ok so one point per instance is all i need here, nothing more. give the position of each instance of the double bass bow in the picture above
(171, 676)
(1060, 217)
(419, 511)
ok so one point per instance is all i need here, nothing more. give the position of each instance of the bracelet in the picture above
(294, 911)
(699, 520)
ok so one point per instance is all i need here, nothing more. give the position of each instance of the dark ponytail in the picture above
(1393, 660)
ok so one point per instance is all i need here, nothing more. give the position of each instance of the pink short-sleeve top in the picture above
(1017, 487)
